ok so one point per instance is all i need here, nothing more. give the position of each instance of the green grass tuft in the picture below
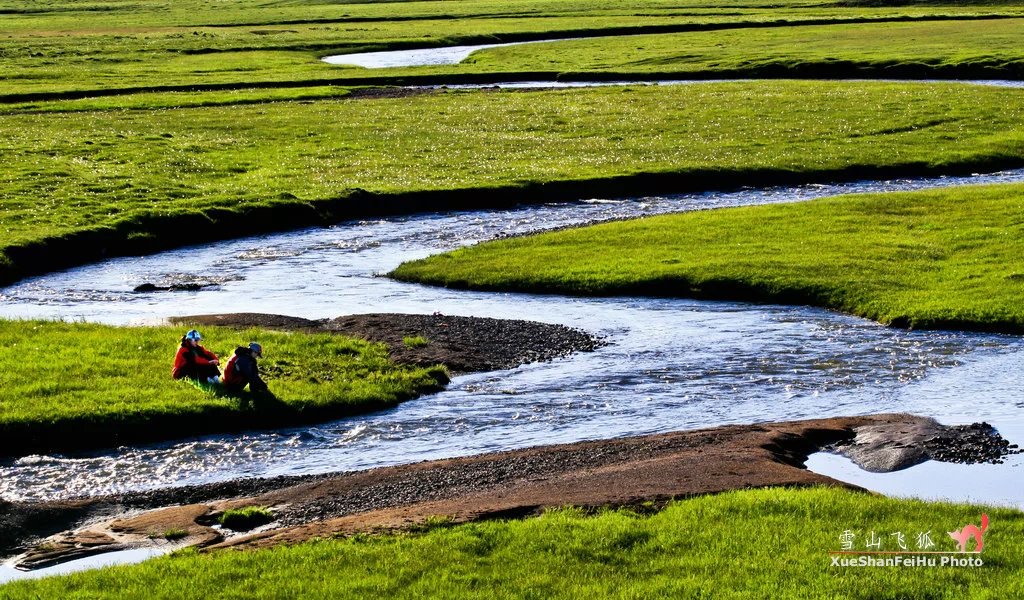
(415, 341)
(174, 534)
(245, 518)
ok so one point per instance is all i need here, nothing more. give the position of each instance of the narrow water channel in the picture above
(670, 364)
(419, 57)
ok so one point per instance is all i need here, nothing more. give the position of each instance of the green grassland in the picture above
(771, 543)
(950, 258)
(967, 48)
(71, 385)
(136, 125)
(127, 123)
(137, 180)
(63, 46)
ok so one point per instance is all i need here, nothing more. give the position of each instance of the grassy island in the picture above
(951, 258)
(755, 543)
(75, 385)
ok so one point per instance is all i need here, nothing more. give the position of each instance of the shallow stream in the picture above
(670, 364)
(419, 57)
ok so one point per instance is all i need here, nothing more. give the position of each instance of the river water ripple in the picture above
(671, 364)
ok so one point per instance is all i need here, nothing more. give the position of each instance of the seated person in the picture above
(194, 361)
(242, 370)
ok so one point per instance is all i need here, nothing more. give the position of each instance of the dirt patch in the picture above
(463, 344)
(69, 546)
(189, 520)
(377, 93)
(182, 524)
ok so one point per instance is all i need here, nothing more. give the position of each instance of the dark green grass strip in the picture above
(771, 543)
(68, 386)
(937, 259)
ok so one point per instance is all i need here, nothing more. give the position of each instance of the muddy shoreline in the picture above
(643, 472)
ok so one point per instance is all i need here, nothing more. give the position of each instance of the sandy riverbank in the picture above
(642, 472)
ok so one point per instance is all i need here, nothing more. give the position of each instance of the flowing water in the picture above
(420, 57)
(670, 364)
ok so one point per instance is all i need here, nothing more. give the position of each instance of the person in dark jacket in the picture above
(194, 361)
(242, 370)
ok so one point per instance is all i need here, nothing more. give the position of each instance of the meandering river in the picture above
(670, 364)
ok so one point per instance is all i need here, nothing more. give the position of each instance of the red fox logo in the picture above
(971, 531)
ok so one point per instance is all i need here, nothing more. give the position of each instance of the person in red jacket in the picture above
(242, 370)
(194, 361)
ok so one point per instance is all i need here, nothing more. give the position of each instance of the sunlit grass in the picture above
(174, 534)
(245, 518)
(944, 258)
(137, 166)
(87, 379)
(838, 50)
(100, 170)
(772, 543)
(66, 45)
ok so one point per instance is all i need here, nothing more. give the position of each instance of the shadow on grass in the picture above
(265, 400)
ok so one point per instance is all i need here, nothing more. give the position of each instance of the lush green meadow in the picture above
(772, 543)
(127, 123)
(964, 48)
(945, 258)
(66, 385)
(131, 126)
(60, 46)
(138, 180)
